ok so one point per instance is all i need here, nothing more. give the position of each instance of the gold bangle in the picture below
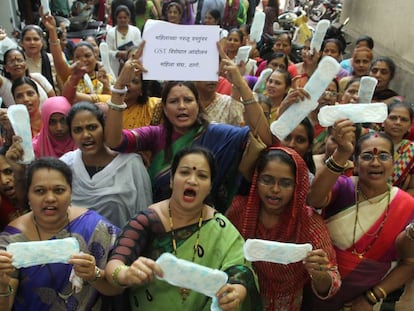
(382, 291)
(9, 292)
(57, 42)
(371, 296)
(115, 275)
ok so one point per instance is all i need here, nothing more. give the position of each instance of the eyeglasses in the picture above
(16, 61)
(330, 93)
(270, 181)
(368, 157)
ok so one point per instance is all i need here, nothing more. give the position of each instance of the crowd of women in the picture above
(133, 169)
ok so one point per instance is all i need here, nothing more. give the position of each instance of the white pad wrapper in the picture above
(366, 89)
(104, 51)
(357, 113)
(264, 75)
(27, 254)
(183, 273)
(319, 35)
(77, 282)
(88, 81)
(20, 121)
(276, 252)
(256, 30)
(45, 5)
(327, 69)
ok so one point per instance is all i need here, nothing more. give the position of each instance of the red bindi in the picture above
(194, 168)
(375, 150)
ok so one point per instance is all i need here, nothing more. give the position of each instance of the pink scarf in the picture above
(44, 144)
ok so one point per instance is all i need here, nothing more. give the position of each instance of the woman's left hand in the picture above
(84, 266)
(316, 262)
(231, 296)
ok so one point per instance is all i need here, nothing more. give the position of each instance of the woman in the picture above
(277, 87)
(37, 60)
(120, 37)
(279, 213)
(276, 60)
(175, 12)
(396, 126)
(334, 48)
(350, 93)
(213, 17)
(190, 229)
(15, 67)
(115, 185)
(383, 69)
(234, 42)
(184, 124)
(283, 44)
(44, 287)
(301, 140)
(364, 216)
(25, 92)
(361, 60)
(53, 139)
(89, 82)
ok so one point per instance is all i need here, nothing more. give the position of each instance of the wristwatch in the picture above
(98, 274)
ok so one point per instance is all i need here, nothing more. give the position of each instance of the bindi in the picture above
(375, 150)
(194, 168)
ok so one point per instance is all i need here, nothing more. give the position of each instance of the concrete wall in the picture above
(391, 24)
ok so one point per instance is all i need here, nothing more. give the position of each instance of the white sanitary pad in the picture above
(27, 254)
(357, 113)
(183, 273)
(277, 252)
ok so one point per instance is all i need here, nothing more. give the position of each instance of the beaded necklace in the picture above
(184, 292)
(377, 232)
(64, 297)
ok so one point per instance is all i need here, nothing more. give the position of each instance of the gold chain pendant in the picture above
(184, 292)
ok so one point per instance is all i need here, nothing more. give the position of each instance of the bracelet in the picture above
(57, 42)
(333, 168)
(249, 101)
(407, 231)
(94, 98)
(9, 292)
(381, 290)
(370, 297)
(334, 163)
(116, 107)
(118, 91)
(115, 274)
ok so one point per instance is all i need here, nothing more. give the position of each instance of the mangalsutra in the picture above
(64, 297)
(377, 232)
(185, 292)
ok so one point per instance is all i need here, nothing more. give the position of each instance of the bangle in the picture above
(116, 107)
(338, 165)
(9, 292)
(332, 167)
(370, 297)
(381, 290)
(115, 274)
(94, 98)
(57, 42)
(119, 91)
(249, 101)
(407, 231)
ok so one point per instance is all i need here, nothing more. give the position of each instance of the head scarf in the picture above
(44, 144)
(295, 226)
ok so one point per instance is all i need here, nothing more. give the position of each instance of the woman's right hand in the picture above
(142, 271)
(48, 21)
(6, 268)
(343, 132)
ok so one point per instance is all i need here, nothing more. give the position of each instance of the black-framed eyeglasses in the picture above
(368, 157)
(270, 181)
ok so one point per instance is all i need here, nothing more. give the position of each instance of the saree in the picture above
(220, 247)
(39, 285)
(403, 163)
(363, 271)
(226, 142)
(117, 192)
(281, 286)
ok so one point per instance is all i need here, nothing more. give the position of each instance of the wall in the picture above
(391, 24)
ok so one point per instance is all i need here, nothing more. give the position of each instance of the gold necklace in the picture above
(64, 297)
(184, 292)
(377, 232)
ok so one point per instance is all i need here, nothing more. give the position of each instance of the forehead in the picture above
(3, 163)
(300, 130)
(24, 88)
(14, 54)
(276, 75)
(331, 46)
(195, 160)
(31, 33)
(380, 65)
(278, 168)
(57, 115)
(399, 110)
(362, 54)
(82, 49)
(380, 143)
(234, 35)
(47, 176)
(180, 89)
(84, 116)
(353, 86)
(332, 86)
